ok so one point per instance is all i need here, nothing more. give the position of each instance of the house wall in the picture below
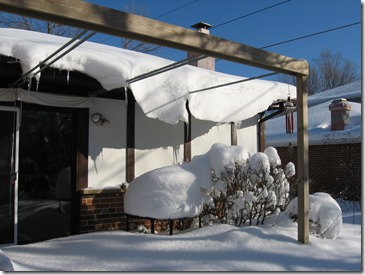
(334, 169)
(157, 143)
(247, 134)
(107, 144)
(205, 134)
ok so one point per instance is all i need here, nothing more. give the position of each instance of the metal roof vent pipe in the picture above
(208, 62)
(340, 114)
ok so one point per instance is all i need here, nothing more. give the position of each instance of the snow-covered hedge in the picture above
(251, 182)
(248, 189)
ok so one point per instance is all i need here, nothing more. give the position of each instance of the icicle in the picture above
(68, 78)
(126, 96)
(37, 84)
(29, 83)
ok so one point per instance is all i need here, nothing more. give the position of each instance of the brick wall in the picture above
(334, 168)
(102, 210)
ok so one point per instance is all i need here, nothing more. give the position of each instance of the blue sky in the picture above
(287, 19)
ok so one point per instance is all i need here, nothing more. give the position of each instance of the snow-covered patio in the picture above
(271, 247)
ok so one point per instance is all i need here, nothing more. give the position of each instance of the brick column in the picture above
(340, 113)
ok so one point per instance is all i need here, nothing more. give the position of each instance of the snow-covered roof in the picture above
(319, 120)
(350, 91)
(162, 96)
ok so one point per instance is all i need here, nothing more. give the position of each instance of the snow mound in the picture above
(179, 191)
(325, 215)
(169, 192)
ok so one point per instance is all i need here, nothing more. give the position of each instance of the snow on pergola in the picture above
(161, 96)
(84, 15)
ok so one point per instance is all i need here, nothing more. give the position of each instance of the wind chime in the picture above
(289, 115)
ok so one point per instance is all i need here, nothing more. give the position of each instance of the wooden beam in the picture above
(88, 16)
(302, 161)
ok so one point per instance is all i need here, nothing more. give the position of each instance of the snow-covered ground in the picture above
(218, 247)
(271, 247)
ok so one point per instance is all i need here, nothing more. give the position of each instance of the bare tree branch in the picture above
(328, 71)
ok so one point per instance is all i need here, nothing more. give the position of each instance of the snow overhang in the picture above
(162, 96)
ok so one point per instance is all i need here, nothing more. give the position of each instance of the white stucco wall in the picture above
(205, 133)
(157, 143)
(107, 144)
(247, 134)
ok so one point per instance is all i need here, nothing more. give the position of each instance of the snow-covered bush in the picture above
(248, 190)
(325, 215)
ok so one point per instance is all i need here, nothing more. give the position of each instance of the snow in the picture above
(319, 119)
(178, 191)
(270, 247)
(162, 96)
(324, 211)
(349, 91)
(171, 192)
(319, 127)
(273, 155)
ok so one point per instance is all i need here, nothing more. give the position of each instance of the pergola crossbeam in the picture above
(88, 16)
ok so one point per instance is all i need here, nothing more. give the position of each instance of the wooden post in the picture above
(152, 226)
(171, 224)
(302, 160)
(187, 136)
(261, 133)
(233, 133)
(130, 151)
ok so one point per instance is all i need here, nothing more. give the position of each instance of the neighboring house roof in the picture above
(162, 96)
(350, 91)
(319, 120)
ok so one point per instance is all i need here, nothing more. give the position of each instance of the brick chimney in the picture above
(206, 63)
(340, 114)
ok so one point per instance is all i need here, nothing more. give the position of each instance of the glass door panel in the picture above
(45, 156)
(8, 172)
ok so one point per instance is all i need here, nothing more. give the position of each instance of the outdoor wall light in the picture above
(99, 119)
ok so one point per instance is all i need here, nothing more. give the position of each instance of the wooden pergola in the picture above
(97, 18)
